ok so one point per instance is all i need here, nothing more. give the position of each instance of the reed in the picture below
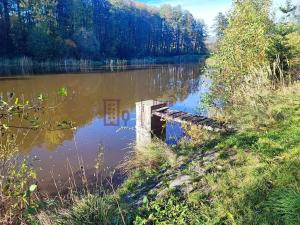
(27, 66)
(150, 156)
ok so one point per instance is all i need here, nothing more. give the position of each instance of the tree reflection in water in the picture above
(85, 106)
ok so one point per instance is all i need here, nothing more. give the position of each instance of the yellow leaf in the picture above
(16, 101)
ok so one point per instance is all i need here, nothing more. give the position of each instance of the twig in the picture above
(58, 192)
(119, 208)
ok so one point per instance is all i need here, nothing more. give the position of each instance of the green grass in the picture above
(284, 204)
(89, 210)
(260, 184)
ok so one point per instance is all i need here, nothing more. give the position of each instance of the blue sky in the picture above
(204, 9)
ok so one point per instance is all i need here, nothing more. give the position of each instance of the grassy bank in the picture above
(249, 177)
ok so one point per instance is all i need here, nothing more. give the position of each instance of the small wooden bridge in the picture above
(152, 115)
(187, 118)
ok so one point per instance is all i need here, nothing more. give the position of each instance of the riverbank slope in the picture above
(250, 177)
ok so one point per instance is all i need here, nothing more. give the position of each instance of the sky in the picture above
(204, 9)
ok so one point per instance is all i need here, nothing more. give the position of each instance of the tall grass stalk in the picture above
(284, 205)
(151, 156)
(250, 103)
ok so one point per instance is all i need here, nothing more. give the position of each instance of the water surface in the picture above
(102, 104)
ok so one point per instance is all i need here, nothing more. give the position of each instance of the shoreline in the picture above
(28, 66)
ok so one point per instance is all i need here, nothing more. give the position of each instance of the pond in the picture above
(99, 128)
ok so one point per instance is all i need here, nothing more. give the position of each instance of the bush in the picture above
(16, 189)
(170, 210)
(90, 210)
(245, 43)
(18, 200)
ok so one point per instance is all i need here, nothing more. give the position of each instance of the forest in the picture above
(96, 30)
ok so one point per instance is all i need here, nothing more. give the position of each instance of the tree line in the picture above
(96, 29)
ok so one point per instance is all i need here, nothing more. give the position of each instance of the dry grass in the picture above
(253, 102)
(150, 156)
(198, 136)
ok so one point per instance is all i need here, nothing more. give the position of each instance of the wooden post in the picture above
(147, 124)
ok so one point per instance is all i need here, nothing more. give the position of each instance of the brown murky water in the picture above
(87, 105)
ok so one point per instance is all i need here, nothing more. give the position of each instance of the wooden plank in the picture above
(179, 115)
(171, 112)
(175, 115)
(161, 109)
(187, 118)
(201, 120)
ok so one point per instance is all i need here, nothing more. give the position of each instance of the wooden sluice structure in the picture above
(152, 115)
(190, 119)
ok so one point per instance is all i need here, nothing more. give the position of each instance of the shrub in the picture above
(90, 210)
(245, 43)
(18, 201)
(171, 210)
(16, 191)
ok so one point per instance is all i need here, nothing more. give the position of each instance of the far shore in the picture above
(28, 66)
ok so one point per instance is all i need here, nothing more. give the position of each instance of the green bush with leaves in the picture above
(169, 210)
(245, 42)
(253, 41)
(18, 189)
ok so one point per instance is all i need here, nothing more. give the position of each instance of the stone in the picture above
(171, 176)
(181, 160)
(187, 189)
(198, 169)
(163, 192)
(219, 167)
(209, 156)
(180, 181)
(160, 184)
(182, 167)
